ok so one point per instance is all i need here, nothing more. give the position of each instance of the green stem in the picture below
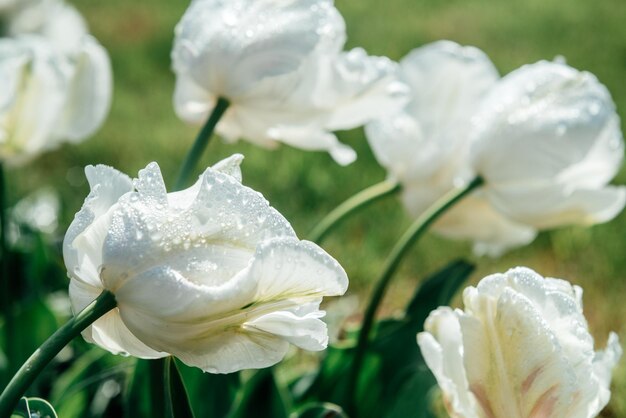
(418, 227)
(356, 202)
(5, 295)
(49, 349)
(202, 140)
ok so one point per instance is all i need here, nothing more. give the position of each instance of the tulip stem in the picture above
(202, 140)
(4, 268)
(354, 203)
(5, 286)
(418, 227)
(50, 348)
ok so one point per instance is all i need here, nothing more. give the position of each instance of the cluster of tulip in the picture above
(216, 277)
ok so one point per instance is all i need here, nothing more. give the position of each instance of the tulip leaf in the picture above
(320, 410)
(261, 397)
(394, 373)
(438, 289)
(211, 395)
(22, 410)
(34, 408)
(178, 400)
(139, 395)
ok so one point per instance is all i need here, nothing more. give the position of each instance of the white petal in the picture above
(230, 166)
(603, 364)
(229, 46)
(475, 219)
(308, 332)
(216, 224)
(110, 333)
(559, 123)
(288, 268)
(448, 82)
(107, 186)
(29, 122)
(506, 377)
(192, 103)
(552, 205)
(89, 95)
(361, 88)
(442, 348)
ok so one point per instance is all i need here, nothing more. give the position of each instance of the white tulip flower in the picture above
(547, 140)
(520, 349)
(426, 145)
(212, 274)
(48, 97)
(280, 66)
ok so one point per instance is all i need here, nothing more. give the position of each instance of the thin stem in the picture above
(354, 203)
(5, 295)
(49, 349)
(418, 227)
(202, 140)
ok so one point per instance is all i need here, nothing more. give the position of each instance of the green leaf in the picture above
(178, 399)
(33, 323)
(65, 384)
(261, 397)
(438, 290)
(394, 371)
(210, 395)
(22, 409)
(40, 408)
(34, 408)
(138, 402)
(320, 410)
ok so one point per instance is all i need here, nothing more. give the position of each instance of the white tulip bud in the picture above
(212, 274)
(521, 348)
(280, 66)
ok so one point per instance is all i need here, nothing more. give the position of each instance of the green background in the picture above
(304, 186)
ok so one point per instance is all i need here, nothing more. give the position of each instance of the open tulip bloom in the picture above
(280, 66)
(520, 348)
(545, 139)
(212, 274)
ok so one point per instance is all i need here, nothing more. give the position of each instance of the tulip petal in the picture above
(288, 268)
(603, 364)
(555, 120)
(442, 348)
(89, 94)
(558, 206)
(308, 332)
(218, 222)
(507, 378)
(475, 219)
(365, 87)
(90, 224)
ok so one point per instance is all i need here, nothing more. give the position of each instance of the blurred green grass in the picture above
(304, 186)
